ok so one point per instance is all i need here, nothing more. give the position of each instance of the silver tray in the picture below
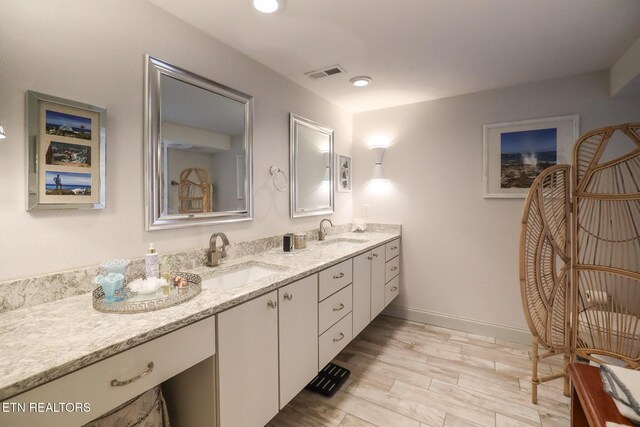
(136, 303)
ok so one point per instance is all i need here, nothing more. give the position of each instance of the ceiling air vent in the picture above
(328, 71)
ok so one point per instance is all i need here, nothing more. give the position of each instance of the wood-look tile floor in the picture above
(410, 374)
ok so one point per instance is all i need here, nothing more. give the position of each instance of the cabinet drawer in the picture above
(334, 340)
(392, 249)
(391, 290)
(170, 355)
(335, 278)
(392, 268)
(334, 308)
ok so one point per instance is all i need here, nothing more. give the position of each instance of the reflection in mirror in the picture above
(198, 154)
(311, 148)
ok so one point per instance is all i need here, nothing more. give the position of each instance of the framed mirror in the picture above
(198, 149)
(311, 168)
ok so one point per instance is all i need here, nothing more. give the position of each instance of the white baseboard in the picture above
(457, 323)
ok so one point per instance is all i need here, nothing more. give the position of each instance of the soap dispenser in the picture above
(152, 263)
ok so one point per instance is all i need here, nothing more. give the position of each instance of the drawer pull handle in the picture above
(370, 258)
(375, 255)
(394, 268)
(339, 339)
(338, 308)
(272, 304)
(338, 276)
(288, 296)
(393, 248)
(117, 383)
(395, 288)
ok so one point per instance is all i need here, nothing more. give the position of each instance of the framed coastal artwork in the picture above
(516, 152)
(343, 180)
(66, 153)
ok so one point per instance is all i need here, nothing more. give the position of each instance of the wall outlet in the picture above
(364, 211)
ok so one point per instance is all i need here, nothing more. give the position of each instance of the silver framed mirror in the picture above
(311, 167)
(198, 149)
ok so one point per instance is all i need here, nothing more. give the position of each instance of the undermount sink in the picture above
(240, 275)
(342, 243)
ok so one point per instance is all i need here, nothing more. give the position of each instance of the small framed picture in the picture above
(343, 171)
(515, 153)
(66, 154)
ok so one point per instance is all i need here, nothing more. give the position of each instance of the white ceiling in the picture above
(418, 50)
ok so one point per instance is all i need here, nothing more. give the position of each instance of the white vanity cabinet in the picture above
(375, 283)
(361, 291)
(248, 362)
(113, 381)
(267, 353)
(297, 326)
(392, 271)
(368, 276)
(335, 300)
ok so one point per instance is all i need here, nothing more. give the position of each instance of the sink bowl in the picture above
(240, 275)
(342, 242)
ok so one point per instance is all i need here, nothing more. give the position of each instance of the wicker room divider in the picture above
(583, 298)
(194, 191)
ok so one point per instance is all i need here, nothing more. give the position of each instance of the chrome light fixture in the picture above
(361, 81)
(266, 6)
(378, 171)
(2, 134)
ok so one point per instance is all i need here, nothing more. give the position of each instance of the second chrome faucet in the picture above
(321, 232)
(214, 255)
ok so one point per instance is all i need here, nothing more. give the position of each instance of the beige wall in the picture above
(93, 52)
(460, 254)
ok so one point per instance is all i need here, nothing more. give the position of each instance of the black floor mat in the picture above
(329, 380)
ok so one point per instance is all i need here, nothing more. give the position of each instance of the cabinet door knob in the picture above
(338, 276)
(370, 258)
(375, 255)
(339, 339)
(288, 296)
(118, 383)
(393, 248)
(338, 308)
(394, 268)
(272, 304)
(395, 288)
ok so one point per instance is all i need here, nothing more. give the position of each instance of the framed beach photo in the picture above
(343, 171)
(66, 153)
(515, 153)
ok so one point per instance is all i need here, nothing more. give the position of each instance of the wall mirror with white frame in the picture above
(198, 149)
(311, 168)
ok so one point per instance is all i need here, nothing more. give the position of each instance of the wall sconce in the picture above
(2, 134)
(378, 171)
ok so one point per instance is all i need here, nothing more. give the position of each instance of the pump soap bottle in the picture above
(152, 263)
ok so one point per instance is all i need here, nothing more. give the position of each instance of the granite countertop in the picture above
(44, 342)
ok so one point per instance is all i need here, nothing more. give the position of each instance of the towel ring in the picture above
(274, 171)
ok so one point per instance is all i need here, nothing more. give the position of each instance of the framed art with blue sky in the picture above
(516, 152)
(66, 153)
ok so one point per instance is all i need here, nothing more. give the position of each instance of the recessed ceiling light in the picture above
(360, 81)
(266, 6)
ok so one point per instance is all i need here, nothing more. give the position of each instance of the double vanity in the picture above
(261, 329)
(266, 320)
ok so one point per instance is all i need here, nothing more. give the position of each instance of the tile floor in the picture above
(409, 374)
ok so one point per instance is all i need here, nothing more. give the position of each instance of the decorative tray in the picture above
(138, 303)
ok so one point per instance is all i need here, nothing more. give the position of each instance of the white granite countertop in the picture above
(44, 342)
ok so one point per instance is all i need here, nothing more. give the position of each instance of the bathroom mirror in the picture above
(198, 147)
(311, 168)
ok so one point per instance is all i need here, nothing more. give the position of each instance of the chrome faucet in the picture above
(214, 255)
(322, 233)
